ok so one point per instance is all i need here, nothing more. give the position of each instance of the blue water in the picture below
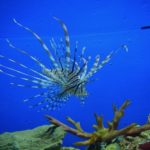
(101, 26)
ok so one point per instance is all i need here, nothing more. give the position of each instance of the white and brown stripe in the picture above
(41, 42)
(67, 41)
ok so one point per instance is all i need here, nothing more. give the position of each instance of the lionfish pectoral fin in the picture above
(25, 53)
(48, 103)
(35, 96)
(39, 103)
(36, 80)
(24, 66)
(28, 86)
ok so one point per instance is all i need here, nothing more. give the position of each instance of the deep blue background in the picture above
(101, 26)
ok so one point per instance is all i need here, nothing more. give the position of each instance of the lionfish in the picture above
(67, 77)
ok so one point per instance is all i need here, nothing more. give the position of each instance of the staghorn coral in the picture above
(102, 133)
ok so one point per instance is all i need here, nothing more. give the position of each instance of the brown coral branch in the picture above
(102, 134)
(76, 124)
(137, 130)
(115, 133)
(99, 121)
(118, 114)
(76, 132)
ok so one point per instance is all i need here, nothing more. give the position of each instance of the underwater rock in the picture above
(40, 138)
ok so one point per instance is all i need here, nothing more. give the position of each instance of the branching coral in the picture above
(102, 133)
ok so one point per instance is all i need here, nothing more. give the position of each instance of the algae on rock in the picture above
(42, 138)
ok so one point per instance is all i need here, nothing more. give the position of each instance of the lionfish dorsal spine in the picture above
(94, 68)
(67, 41)
(41, 42)
(74, 59)
(85, 67)
(82, 52)
(98, 66)
(53, 45)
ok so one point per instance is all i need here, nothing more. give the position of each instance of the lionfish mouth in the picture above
(67, 77)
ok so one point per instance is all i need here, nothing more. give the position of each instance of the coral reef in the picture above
(132, 137)
(40, 138)
(138, 142)
(102, 134)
